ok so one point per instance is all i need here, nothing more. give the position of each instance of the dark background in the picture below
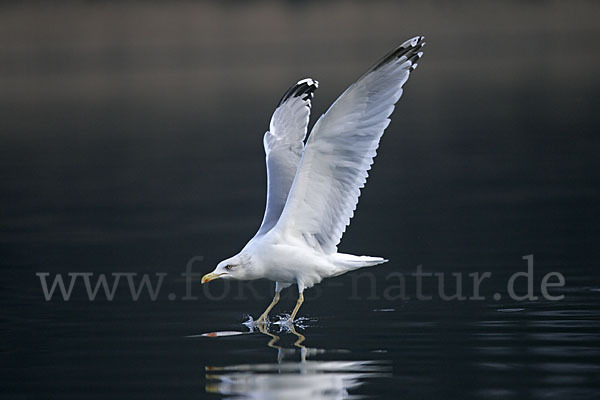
(131, 141)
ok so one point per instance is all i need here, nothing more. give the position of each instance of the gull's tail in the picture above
(349, 262)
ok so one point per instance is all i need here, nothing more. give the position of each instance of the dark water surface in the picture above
(131, 142)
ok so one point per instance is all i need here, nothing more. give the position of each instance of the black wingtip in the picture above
(411, 49)
(305, 87)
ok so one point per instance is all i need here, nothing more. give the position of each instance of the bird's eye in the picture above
(229, 267)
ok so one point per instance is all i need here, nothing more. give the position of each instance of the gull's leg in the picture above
(298, 304)
(263, 317)
(278, 288)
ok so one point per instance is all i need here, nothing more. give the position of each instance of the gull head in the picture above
(236, 267)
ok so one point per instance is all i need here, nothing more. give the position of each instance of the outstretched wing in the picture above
(340, 151)
(284, 144)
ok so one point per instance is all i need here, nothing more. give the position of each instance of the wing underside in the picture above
(340, 151)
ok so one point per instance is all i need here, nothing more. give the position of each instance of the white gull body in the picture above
(313, 189)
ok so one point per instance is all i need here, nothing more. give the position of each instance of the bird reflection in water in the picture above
(293, 376)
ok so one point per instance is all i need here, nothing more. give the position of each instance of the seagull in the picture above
(313, 189)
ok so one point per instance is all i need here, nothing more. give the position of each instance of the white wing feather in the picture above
(284, 143)
(340, 151)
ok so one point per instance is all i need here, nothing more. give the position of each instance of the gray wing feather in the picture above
(284, 144)
(340, 151)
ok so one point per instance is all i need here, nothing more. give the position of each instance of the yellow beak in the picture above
(211, 277)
